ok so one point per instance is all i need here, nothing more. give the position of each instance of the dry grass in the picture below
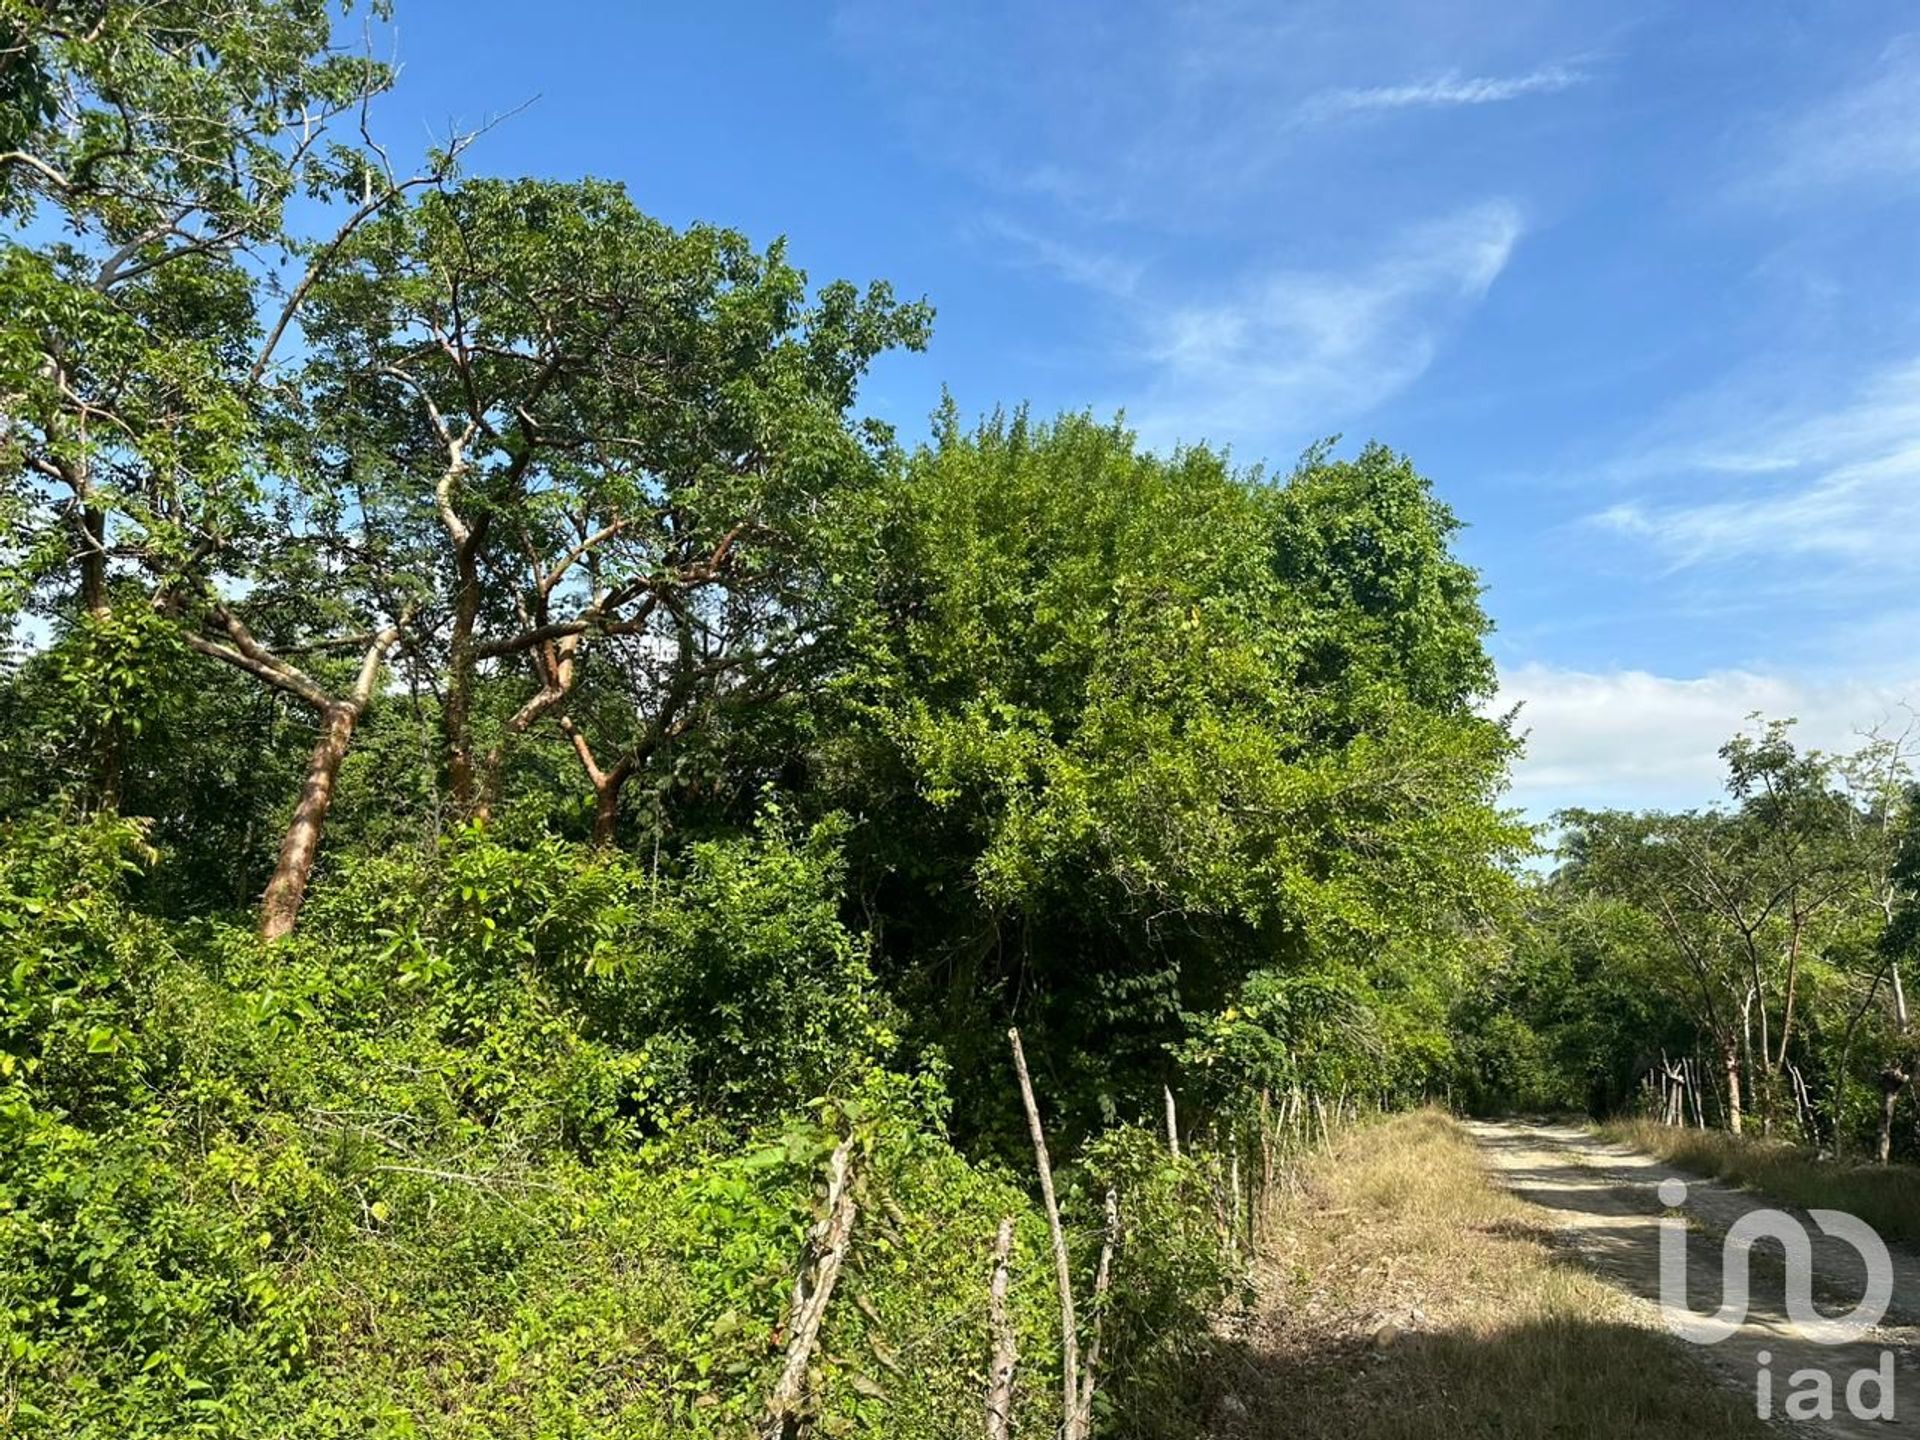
(1887, 1197)
(1494, 1333)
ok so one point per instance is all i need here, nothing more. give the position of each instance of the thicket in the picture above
(522, 813)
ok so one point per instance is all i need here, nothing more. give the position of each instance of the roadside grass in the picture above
(1886, 1197)
(1405, 1296)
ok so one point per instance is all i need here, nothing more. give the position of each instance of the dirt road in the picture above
(1600, 1203)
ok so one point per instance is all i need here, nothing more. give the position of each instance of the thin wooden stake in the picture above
(1063, 1270)
(1173, 1125)
(1233, 1203)
(1082, 1426)
(1006, 1356)
(1258, 1210)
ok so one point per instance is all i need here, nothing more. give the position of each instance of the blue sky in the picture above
(1635, 284)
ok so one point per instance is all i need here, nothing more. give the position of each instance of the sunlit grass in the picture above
(1887, 1197)
(1493, 1331)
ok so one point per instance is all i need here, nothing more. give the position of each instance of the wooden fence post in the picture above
(1063, 1270)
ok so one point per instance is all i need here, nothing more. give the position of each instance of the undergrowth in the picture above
(506, 1167)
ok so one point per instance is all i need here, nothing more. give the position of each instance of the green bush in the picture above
(729, 986)
(451, 1180)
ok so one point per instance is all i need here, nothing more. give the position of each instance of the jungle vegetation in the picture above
(526, 819)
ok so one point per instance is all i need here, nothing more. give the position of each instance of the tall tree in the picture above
(1136, 727)
(1790, 885)
(1899, 945)
(632, 442)
(160, 143)
(1682, 873)
(142, 355)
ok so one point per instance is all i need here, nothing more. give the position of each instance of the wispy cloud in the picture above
(1294, 348)
(1190, 114)
(1841, 484)
(1089, 268)
(1869, 131)
(1444, 90)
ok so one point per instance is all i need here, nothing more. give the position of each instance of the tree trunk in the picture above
(93, 561)
(457, 713)
(91, 523)
(1793, 978)
(606, 811)
(1730, 1061)
(606, 803)
(1893, 1080)
(280, 906)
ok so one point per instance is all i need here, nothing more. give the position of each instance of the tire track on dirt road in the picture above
(1599, 1204)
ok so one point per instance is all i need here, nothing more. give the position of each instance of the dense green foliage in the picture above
(427, 1178)
(1140, 731)
(503, 770)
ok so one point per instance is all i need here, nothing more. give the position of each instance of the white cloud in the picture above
(1444, 90)
(1298, 348)
(1631, 739)
(1183, 112)
(1841, 484)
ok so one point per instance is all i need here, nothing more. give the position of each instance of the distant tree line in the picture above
(1747, 964)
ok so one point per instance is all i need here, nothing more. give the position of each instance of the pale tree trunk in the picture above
(457, 711)
(1755, 1076)
(1893, 1080)
(280, 905)
(1898, 1075)
(1730, 1063)
(1793, 978)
